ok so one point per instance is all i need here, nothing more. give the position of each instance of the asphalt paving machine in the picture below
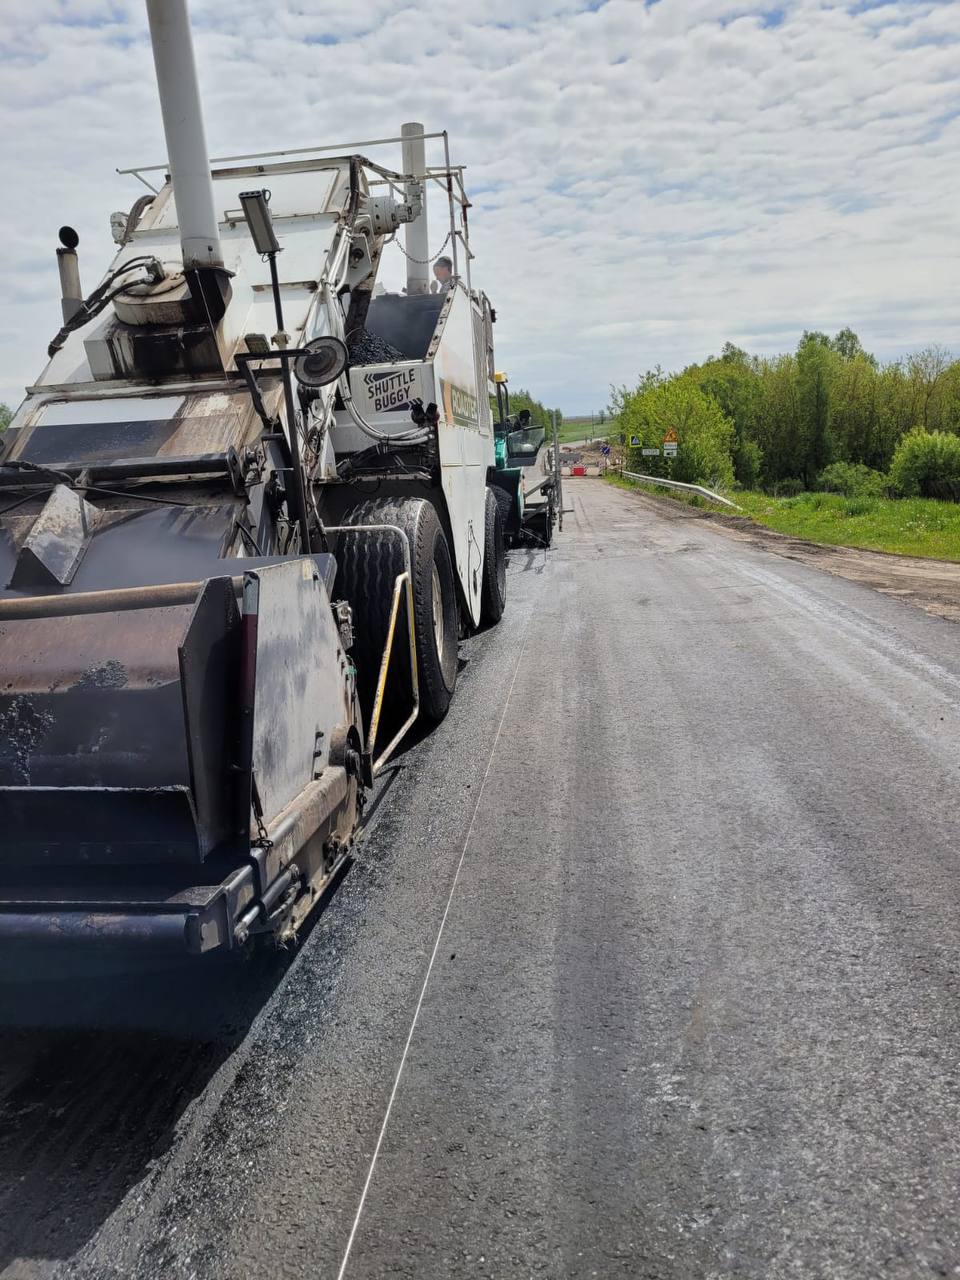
(526, 475)
(244, 520)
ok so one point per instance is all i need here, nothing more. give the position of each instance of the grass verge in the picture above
(906, 526)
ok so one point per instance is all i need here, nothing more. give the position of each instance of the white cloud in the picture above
(650, 179)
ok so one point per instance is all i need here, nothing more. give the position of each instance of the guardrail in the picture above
(678, 484)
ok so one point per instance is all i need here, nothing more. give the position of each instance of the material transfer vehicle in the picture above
(244, 521)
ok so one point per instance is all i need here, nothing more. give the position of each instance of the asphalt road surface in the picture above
(647, 967)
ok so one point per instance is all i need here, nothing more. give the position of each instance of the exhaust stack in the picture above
(184, 132)
(71, 294)
(418, 250)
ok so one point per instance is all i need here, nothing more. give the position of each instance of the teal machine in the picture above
(526, 496)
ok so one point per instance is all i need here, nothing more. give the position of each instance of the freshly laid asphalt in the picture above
(648, 966)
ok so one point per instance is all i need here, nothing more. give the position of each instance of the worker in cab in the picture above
(443, 273)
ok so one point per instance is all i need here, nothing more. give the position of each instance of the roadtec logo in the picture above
(391, 390)
(461, 405)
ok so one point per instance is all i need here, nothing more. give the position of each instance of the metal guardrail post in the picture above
(557, 477)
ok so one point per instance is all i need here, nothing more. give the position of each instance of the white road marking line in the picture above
(436, 946)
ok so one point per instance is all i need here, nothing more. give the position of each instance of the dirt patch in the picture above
(931, 585)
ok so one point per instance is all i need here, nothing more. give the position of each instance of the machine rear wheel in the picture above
(505, 504)
(494, 596)
(369, 564)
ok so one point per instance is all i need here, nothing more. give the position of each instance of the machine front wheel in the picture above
(369, 565)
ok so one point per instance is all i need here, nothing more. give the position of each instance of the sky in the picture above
(649, 180)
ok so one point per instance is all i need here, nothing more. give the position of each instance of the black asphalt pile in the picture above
(369, 349)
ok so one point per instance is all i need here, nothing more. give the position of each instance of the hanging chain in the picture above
(263, 839)
(423, 262)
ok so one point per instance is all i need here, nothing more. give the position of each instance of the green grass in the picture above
(582, 429)
(907, 526)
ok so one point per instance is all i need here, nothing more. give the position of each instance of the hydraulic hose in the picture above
(134, 216)
(416, 436)
(98, 299)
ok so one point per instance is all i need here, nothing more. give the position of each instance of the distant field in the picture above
(906, 526)
(582, 429)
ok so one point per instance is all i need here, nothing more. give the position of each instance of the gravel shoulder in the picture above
(931, 585)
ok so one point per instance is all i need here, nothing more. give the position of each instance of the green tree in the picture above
(736, 387)
(539, 413)
(927, 373)
(733, 355)
(779, 426)
(816, 365)
(854, 410)
(831, 401)
(848, 347)
(6, 413)
(705, 433)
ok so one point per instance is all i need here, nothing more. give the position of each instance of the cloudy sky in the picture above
(649, 179)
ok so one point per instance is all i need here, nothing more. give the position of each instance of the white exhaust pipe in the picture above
(418, 250)
(71, 295)
(183, 129)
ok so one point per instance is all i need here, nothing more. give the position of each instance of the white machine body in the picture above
(332, 216)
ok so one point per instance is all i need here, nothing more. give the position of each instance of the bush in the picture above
(788, 487)
(926, 464)
(853, 480)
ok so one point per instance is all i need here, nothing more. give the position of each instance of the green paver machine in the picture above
(525, 480)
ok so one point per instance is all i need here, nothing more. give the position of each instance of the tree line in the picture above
(539, 413)
(783, 422)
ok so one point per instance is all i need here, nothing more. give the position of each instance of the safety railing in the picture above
(403, 585)
(678, 484)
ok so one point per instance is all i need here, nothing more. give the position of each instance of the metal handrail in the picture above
(404, 578)
(277, 161)
(111, 600)
(288, 151)
(678, 484)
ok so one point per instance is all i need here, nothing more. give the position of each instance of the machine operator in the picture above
(443, 273)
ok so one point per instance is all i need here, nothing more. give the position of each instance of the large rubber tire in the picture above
(369, 564)
(505, 503)
(494, 591)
